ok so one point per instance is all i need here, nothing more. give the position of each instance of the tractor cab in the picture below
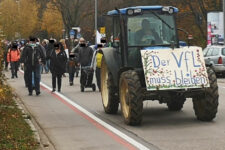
(142, 27)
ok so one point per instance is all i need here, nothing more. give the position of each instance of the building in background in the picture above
(215, 28)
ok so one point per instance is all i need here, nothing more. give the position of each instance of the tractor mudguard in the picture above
(112, 58)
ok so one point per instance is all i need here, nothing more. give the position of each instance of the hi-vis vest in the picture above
(99, 59)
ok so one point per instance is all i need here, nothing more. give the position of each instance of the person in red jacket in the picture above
(13, 58)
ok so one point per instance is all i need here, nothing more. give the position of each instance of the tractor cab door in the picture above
(120, 38)
(117, 39)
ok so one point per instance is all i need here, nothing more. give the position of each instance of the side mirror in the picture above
(190, 37)
(116, 42)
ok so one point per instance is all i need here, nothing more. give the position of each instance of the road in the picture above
(75, 120)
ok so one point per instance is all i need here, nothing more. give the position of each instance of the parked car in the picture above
(215, 56)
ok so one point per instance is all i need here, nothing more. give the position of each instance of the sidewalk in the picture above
(66, 129)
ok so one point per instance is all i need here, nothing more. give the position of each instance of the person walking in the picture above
(13, 57)
(85, 58)
(31, 58)
(75, 50)
(45, 45)
(25, 76)
(76, 46)
(63, 47)
(97, 59)
(41, 65)
(63, 42)
(71, 68)
(7, 46)
(58, 61)
(49, 50)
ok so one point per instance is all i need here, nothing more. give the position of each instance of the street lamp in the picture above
(223, 22)
(96, 20)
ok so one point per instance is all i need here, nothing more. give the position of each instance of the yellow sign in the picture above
(102, 30)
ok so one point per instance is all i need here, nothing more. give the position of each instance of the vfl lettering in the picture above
(178, 62)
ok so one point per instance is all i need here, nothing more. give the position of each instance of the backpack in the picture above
(49, 50)
(10, 54)
(99, 59)
(35, 56)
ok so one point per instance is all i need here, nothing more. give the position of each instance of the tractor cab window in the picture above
(151, 29)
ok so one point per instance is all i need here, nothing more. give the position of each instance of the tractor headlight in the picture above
(137, 11)
(132, 12)
(168, 9)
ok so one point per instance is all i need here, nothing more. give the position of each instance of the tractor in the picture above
(147, 62)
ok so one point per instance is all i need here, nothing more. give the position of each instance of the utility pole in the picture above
(19, 28)
(96, 20)
(223, 21)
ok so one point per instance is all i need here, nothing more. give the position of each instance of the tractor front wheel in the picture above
(131, 97)
(110, 100)
(206, 106)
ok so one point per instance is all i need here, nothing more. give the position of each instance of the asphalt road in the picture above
(68, 127)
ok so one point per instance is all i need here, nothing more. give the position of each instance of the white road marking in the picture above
(101, 122)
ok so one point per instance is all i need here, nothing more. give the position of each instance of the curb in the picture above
(29, 122)
(39, 134)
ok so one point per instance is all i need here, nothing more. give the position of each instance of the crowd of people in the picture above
(35, 57)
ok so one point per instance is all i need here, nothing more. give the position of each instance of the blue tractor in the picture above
(146, 62)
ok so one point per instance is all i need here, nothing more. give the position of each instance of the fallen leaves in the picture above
(15, 133)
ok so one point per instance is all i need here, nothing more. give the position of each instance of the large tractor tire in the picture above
(131, 97)
(206, 107)
(176, 102)
(110, 100)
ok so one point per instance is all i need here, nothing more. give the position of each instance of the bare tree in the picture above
(81, 13)
(70, 10)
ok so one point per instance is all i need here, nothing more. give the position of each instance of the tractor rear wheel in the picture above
(110, 100)
(206, 107)
(131, 97)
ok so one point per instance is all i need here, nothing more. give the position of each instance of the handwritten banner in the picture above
(174, 69)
